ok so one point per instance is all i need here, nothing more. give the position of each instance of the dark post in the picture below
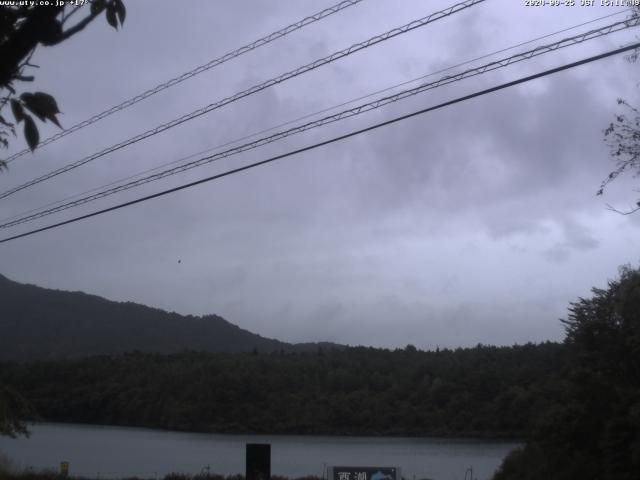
(258, 461)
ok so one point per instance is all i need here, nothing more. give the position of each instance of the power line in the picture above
(339, 116)
(333, 140)
(576, 39)
(192, 73)
(304, 117)
(255, 89)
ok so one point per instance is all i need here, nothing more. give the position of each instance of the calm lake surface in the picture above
(101, 451)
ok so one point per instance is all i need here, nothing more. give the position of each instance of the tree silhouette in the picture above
(623, 137)
(22, 29)
(13, 410)
(595, 431)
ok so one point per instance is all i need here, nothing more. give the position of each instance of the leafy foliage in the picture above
(595, 432)
(13, 410)
(623, 137)
(23, 27)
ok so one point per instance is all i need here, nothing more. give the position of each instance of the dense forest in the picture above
(482, 391)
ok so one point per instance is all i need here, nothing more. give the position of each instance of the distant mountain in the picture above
(38, 323)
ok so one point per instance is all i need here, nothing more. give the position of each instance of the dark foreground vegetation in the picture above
(594, 433)
(5, 475)
(482, 391)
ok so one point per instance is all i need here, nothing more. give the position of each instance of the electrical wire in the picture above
(255, 89)
(192, 73)
(332, 140)
(304, 117)
(576, 39)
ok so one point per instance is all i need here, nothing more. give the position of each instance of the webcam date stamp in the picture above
(44, 3)
(581, 3)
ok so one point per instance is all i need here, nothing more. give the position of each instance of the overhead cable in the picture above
(304, 117)
(358, 110)
(192, 73)
(332, 140)
(250, 91)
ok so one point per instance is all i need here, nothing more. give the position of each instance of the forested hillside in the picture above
(484, 391)
(38, 323)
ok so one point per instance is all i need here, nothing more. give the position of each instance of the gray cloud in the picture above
(476, 223)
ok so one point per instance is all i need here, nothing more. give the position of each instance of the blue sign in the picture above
(364, 473)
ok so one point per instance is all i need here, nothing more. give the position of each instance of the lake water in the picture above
(112, 452)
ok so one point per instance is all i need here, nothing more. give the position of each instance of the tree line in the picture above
(481, 391)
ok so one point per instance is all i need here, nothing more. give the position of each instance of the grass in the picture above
(9, 474)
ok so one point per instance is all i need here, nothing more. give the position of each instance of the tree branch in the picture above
(71, 13)
(628, 212)
(78, 27)
(24, 40)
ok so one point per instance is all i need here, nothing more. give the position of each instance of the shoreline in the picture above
(466, 436)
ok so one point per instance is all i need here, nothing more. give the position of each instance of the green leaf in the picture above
(48, 101)
(50, 31)
(31, 132)
(111, 16)
(55, 120)
(43, 105)
(33, 105)
(120, 10)
(18, 111)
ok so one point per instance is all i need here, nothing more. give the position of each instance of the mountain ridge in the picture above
(39, 323)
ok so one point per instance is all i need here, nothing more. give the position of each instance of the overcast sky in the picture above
(473, 224)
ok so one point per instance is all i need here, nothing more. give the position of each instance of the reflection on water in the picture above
(101, 452)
